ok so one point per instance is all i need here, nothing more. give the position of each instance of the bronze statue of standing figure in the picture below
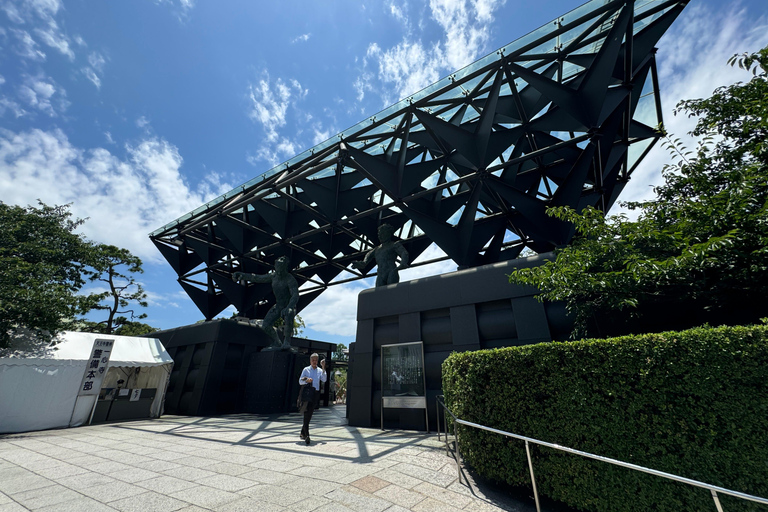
(386, 257)
(286, 290)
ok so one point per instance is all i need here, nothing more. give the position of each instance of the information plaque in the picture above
(403, 383)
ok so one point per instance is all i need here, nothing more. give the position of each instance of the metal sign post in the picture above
(403, 381)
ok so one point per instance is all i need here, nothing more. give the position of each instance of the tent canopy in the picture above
(127, 351)
(41, 393)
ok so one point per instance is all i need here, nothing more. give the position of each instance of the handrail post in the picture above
(437, 417)
(458, 455)
(445, 422)
(533, 478)
(717, 500)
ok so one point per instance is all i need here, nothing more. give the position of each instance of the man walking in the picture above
(311, 376)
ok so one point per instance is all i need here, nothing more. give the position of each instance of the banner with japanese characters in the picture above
(96, 368)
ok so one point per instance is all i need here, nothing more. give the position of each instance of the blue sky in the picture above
(137, 112)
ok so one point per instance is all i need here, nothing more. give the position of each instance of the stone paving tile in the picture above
(148, 502)
(188, 473)
(398, 478)
(167, 456)
(316, 503)
(426, 475)
(276, 494)
(109, 467)
(194, 461)
(13, 471)
(444, 495)
(166, 484)
(265, 476)
(358, 501)
(12, 507)
(24, 483)
(432, 505)
(61, 471)
(227, 483)
(4, 498)
(370, 484)
(251, 505)
(397, 508)
(78, 505)
(133, 476)
(45, 496)
(158, 465)
(228, 468)
(275, 465)
(400, 496)
(206, 497)
(114, 491)
(313, 486)
(85, 480)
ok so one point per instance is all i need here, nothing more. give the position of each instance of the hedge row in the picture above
(693, 403)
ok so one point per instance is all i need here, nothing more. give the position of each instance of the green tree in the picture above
(339, 355)
(115, 268)
(123, 327)
(42, 259)
(702, 242)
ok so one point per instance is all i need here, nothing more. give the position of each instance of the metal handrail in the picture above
(714, 489)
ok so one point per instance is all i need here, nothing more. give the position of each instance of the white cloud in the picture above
(95, 69)
(142, 122)
(124, 198)
(269, 106)
(335, 312)
(182, 8)
(27, 47)
(53, 37)
(39, 13)
(14, 107)
(692, 62)
(38, 93)
(409, 67)
(399, 13)
(302, 38)
(412, 64)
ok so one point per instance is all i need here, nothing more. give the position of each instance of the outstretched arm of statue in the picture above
(403, 256)
(254, 278)
(360, 265)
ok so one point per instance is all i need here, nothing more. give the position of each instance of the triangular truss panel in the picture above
(560, 117)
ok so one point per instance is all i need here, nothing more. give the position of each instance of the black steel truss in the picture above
(560, 117)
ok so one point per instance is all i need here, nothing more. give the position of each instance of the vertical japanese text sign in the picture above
(96, 368)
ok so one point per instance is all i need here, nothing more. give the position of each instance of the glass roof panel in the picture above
(540, 38)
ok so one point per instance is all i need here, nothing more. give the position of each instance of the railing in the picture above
(713, 489)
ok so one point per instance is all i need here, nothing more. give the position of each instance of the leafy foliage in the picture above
(122, 327)
(691, 403)
(339, 355)
(703, 242)
(42, 260)
(115, 267)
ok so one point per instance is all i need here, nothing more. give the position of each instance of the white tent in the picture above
(42, 393)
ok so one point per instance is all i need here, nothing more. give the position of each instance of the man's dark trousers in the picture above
(308, 413)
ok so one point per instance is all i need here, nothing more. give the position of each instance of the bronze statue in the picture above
(286, 291)
(386, 257)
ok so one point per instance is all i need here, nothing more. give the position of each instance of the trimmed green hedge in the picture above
(693, 403)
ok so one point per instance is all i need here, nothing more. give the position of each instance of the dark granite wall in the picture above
(470, 309)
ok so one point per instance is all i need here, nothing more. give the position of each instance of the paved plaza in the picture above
(237, 463)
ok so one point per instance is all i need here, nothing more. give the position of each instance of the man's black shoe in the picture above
(306, 440)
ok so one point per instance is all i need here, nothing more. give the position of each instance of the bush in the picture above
(691, 403)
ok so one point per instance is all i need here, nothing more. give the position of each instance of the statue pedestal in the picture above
(273, 381)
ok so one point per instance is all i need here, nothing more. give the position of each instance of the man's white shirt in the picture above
(316, 374)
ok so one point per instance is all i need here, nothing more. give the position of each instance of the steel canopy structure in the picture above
(559, 117)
